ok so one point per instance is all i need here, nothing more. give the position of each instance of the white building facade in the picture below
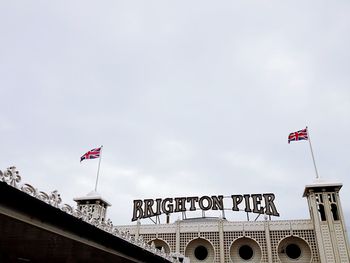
(321, 239)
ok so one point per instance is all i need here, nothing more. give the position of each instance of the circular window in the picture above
(293, 251)
(245, 252)
(201, 252)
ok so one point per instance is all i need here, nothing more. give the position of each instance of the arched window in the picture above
(321, 212)
(334, 210)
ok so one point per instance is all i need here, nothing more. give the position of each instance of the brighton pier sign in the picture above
(255, 203)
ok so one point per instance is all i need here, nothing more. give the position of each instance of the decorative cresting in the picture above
(245, 249)
(294, 249)
(11, 177)
(200, 250)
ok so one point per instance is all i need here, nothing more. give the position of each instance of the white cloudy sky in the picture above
(188, 98)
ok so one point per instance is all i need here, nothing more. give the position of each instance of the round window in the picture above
(245, 252)
(201, 252)
(293, 251)
(159, 247)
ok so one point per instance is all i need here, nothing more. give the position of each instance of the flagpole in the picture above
(312, 153)
(98, 169)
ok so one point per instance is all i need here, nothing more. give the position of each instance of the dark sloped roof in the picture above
(34, 231)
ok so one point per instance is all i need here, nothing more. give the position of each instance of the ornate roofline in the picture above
(11, 177)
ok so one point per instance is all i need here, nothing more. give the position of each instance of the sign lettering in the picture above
(255, 203)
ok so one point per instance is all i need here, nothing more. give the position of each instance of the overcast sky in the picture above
(189, 98)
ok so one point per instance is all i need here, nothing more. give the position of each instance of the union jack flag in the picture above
(299, 135)
(92, 154)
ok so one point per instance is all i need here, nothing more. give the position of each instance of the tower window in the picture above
(321, 212)
(321, 198)
(334, 210)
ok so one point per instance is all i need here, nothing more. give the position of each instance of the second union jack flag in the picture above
(298, 136)
(92, 154)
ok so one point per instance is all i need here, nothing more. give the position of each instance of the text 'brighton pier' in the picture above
(255, 203)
